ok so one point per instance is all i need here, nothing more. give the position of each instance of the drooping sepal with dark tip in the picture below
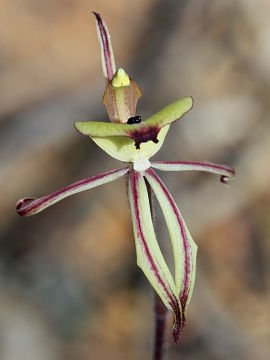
(184, 248)
(149, 256)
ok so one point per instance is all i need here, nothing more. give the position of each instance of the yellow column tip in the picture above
(120, 78)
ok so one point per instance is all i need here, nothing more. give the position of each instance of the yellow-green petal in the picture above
(140, 133)
(170, 113)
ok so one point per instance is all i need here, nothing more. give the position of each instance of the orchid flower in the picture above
(134, 142)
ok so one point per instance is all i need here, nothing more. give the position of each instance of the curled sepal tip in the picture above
(23, 203)
(224, 180)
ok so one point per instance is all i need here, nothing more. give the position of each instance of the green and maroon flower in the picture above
(134, 142)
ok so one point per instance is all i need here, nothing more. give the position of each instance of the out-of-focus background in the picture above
(69, 284)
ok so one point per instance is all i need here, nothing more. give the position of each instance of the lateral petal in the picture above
(171, 112)
(225, 172)
(184, 248)
(149, 256)
(31, 206)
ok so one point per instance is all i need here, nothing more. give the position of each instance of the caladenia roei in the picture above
(133, 141)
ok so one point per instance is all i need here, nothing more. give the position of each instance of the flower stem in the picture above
(160, 311)
(160, 341)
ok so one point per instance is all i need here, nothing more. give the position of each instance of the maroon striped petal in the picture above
(149, 256)
(30, 206)
(225, 172)
(184, 248)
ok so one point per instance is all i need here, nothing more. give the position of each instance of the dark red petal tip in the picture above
(224, 179)
(97, 16)
(21, 204)
(177, 329)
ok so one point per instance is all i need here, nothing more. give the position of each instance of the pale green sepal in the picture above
(123, 148)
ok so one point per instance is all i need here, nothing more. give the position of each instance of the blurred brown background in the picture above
(70, 287)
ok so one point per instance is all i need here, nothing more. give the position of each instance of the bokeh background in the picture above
(69, 284)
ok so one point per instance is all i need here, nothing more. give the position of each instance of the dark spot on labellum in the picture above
(134, 120)
(145, 134)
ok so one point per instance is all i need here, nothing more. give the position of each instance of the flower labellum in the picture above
(134, 141)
